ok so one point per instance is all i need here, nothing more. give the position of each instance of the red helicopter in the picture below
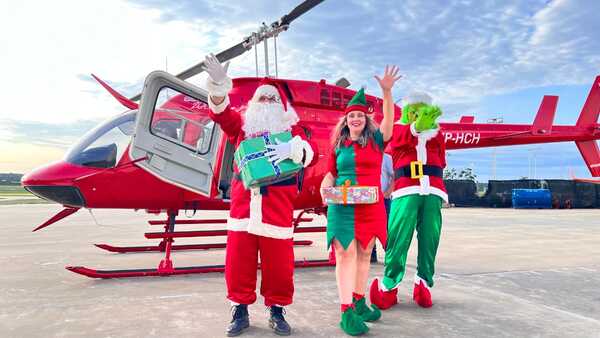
(165, 154)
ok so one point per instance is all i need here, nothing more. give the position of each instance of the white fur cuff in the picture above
(218, 89)
(298, 148)
(218, 108)
(413, 129)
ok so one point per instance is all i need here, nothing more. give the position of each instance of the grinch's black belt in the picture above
(429, 170)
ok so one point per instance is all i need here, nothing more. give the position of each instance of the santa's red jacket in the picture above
(266, 211)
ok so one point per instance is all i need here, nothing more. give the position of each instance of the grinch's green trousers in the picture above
(420, 212)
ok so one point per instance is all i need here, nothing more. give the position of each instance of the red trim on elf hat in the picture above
(358, 107)
(267, 81)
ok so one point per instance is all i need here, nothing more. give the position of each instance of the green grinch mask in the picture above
(423, 115)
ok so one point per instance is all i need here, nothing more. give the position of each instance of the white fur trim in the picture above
(237, 224)
(309, 153)
(417, 97)
(439, 192)
(263, 90)
(255, 207)
(218, 89)
(416, 190)
(218, 108)
(270, 230)
(255, 224)
(382, 286)
(419, 279)
(298, 148)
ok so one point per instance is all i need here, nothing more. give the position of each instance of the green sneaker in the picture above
(365, 312)
(352, 324)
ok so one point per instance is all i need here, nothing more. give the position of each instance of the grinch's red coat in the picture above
(407, 145)
(259, 220)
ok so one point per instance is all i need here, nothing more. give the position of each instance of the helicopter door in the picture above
(175, 134)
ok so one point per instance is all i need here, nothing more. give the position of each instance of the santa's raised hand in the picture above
(216, 71)
(218, 83)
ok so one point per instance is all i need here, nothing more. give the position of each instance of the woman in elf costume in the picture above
(356, 156)
(419, 154)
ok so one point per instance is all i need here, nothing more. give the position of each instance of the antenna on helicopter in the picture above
(255, 38)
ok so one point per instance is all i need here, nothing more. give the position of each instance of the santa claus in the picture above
(260, 219)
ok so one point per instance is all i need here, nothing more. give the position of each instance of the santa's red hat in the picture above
(269, 86)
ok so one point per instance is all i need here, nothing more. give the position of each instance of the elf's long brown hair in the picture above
(341, 132)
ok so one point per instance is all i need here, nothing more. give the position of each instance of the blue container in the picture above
(531, 199)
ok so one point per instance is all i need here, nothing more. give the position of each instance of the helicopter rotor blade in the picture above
(223, 56)
(298, 11)
(248, 42)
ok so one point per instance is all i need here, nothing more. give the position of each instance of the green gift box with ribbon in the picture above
(256, 170)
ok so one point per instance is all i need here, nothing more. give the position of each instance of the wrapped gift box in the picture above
(347, 194)
(256, 169)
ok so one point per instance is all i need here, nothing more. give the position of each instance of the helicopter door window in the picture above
(182, 120)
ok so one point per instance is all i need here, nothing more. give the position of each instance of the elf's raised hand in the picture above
(390, 76)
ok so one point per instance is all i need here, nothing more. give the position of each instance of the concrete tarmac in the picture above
(500, 273)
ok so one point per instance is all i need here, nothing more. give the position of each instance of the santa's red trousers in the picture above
(276, 265)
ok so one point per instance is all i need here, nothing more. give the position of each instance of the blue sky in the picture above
(482, 58)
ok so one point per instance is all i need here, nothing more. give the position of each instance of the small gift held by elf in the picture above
(347, 194)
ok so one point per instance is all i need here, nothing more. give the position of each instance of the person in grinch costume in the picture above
(356, 156)
(260, 219)
(419, 154)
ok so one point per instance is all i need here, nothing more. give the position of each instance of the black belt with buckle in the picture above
(416, 169)
(263, 190)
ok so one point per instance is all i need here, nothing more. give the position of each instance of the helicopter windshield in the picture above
(104, 145)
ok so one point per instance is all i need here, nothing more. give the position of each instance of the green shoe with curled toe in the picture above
(352, 323)
(365, 312)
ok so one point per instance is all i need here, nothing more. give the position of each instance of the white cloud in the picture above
(49, 45)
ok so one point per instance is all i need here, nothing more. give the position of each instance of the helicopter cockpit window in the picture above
(182, 120)
(104, 145)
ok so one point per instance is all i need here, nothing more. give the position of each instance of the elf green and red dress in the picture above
(362, 166)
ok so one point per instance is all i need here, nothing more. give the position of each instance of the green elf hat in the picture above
(358, 102)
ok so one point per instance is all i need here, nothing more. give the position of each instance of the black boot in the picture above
(277, 322)
(240, 320)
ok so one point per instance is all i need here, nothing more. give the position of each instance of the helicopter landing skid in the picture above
(165, 271)
(166, 268)
(161, 247)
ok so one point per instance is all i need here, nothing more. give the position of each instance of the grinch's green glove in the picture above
(427, 118)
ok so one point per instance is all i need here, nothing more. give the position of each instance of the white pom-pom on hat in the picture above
(417, 97)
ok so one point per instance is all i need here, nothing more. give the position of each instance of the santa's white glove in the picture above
(296, 149)
(279, 152)
(217, 83)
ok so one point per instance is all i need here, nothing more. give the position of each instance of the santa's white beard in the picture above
(268, 117)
